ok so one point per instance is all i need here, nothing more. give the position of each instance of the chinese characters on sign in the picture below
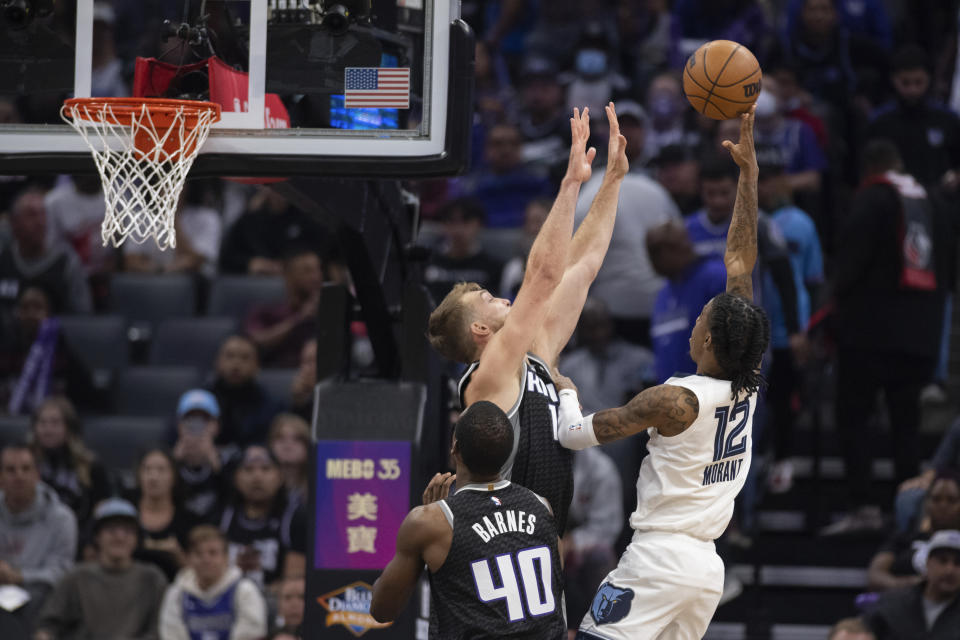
(363, 494)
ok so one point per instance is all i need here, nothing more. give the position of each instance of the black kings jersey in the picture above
(502, 576)
(283, 530)
(538, 462)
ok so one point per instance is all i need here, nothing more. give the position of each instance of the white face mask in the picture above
(766, 104)
(591, 62)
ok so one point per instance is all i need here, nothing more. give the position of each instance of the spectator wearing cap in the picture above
(113, 596)
(627, 283)
(38, 533)
(462, 257)
(211, 598)
(265, 529)
(246, 407)
(199, 462)
(677, 169)
(930, 609)
(633, 126)
(893, 564)
(926, 134)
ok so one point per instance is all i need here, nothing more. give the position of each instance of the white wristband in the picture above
(574, 431)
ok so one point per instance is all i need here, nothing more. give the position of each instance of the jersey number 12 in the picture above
(536, 574)
(725, 444)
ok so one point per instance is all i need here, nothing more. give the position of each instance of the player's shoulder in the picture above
(709, 391)
(424, 522)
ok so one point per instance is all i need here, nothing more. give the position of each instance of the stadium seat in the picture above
(13, 429)
(101, 344)
(145, 300)
(234, 296)
(277, 383)
(153, 391)
(118, 440)
(190, 341)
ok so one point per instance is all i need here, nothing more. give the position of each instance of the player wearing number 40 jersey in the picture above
(670, 578)
(490, 548)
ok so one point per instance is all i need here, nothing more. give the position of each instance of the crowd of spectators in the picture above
(858, 138)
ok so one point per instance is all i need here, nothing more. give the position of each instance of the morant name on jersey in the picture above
(507, 521)
(722, 471)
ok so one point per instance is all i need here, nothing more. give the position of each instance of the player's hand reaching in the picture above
(744, 153)
(617, 163)
(581, 158)
(439, 487)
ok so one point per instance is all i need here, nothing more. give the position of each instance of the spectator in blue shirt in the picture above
(503, 186)
(806, 259)
(691, 282)
(708, 232)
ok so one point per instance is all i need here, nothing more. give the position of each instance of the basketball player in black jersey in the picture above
(491, 547)
(514, 347)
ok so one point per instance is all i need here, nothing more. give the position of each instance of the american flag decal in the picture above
(377, 87)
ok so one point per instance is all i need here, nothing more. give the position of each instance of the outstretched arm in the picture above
(494, 379)
(587, 250)
(668, 408)
(393, 588)
(741, 254)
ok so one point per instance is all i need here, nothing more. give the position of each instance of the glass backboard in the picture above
(307, 87)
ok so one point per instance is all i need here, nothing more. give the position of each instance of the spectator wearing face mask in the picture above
(668, 114)
(595, 79)
(199, 461)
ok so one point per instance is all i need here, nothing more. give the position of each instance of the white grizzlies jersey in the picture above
(688, 482)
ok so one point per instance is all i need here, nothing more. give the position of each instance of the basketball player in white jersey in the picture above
(670, 578)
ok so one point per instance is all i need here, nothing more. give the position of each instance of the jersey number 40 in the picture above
(725, 445)
(536, 574)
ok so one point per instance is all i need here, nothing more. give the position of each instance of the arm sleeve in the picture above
(251, 622)
(61, 551)
(171, 626)
(574, 431)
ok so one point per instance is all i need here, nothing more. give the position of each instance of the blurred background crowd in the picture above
(149, 393)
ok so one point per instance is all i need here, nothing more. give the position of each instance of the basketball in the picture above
(722, 79)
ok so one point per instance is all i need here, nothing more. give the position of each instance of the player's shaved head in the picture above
(484, 438)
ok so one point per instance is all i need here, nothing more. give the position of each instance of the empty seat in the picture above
(234, 296)
(13, 429)
(190, 341)
(118, 440)
(278, 383)
(100, 342)
(145, 300)
(153, 391)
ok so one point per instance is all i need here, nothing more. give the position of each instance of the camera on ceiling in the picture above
(19, 13)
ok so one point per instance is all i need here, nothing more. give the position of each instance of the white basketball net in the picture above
(141, 187)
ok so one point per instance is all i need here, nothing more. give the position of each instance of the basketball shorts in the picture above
(666, 587)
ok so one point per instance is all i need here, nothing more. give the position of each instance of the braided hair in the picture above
(740, 334)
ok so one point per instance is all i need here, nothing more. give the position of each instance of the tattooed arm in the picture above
(668, 408)
(741, 254)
